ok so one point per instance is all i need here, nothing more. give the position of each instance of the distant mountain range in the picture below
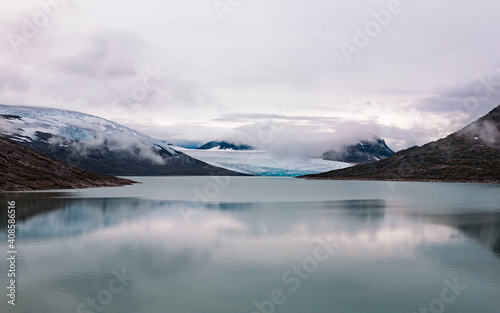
(96, 144)
(471, 154)
(224, 145)
(22, 169)
(365, 151)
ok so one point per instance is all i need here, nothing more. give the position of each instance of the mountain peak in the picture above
(365, 151)
(224, 145)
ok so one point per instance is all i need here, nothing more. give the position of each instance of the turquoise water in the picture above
(192, 244)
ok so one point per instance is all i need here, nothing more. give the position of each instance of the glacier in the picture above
(25, 123)
(261, 163)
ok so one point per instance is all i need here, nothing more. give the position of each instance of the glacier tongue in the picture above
(263, 164)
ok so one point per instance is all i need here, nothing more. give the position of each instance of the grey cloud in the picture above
(107, 53)
(488, 132)
(89, 71)
(120, 142)
(245, 117)
(14, 79)
(463, 103)
(484, 89)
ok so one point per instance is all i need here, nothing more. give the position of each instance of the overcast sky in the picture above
(197, 70)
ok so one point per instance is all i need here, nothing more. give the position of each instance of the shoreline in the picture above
(404, 180)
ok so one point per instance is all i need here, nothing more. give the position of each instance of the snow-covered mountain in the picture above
(257, 162)
(96, 144)
(365, 151)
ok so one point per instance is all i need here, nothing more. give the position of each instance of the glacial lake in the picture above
(256, 244)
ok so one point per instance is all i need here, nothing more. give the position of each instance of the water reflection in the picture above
(29, 204)
(42, 216)
(221, 257)
(364, 209)
(483, 227)
(53, 214)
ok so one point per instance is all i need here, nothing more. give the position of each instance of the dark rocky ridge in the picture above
(24, 169)
(366, 151)
(471, 154)
(224, 145)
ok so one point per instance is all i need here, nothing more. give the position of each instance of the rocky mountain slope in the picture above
(366, 151)
(471, 154)
(224, 145)
(22, 168)
(98, 145)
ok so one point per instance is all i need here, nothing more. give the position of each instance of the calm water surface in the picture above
(215, 245)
